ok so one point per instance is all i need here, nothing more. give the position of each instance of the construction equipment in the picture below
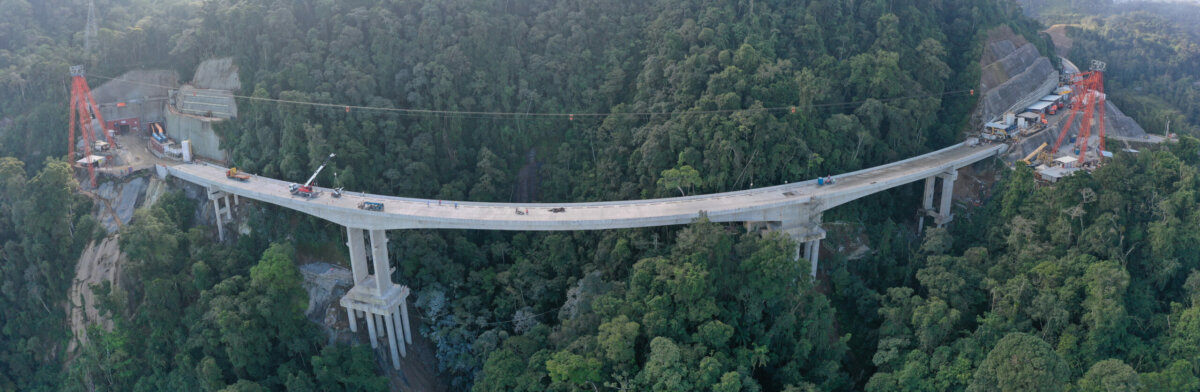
(85, 114)
(1088, 93)
(370, 206)
(306, 190)
(337, 192)
(157, 132)
(1029, 158)
(233, 174)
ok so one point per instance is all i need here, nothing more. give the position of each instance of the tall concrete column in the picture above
(404, 316)
(235, 199)
(392, 341)
(379, 324)
(929, 188)
(217, 213)
(228, 208)
(807, 233)
(944, 216)
(370, 319)
(814, 251)
(358, 253)
(353, 321)
(383, 275)
(401, 334)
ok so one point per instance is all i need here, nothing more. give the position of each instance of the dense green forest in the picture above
(44, 224)
(1088, 285)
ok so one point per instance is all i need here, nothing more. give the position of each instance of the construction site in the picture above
(1063, 122)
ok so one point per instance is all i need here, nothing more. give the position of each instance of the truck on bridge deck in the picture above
(370, 206)
(234, 174)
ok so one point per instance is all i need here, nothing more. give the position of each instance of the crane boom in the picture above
(314, 176)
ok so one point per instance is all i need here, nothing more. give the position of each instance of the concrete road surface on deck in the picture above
(775, 203)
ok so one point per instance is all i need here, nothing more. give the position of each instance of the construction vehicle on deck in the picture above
(370, 206)
(234, 174)
(307, 190)
(337, 192)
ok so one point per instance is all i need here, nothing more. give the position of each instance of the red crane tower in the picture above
(1087, 93)
(84, 109)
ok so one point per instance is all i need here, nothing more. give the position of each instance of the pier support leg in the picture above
(944, 215)
(806, 231)
(392, 341)
(929, 188)
(358, 253)
(379, 254)
(353, 322)
(404, 317)
(814, 252)
(371, 330)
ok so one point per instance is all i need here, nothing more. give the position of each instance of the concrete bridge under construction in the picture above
(794, 209)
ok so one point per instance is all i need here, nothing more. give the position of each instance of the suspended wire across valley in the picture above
(502, 114)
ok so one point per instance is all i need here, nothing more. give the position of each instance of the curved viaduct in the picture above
(794, 209)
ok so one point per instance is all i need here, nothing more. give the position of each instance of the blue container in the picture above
(821, 181)
(1072, 138)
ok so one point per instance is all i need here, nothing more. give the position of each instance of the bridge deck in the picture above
(762, 204)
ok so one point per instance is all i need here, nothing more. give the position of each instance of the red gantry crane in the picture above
(84, 109)
(1087, 94)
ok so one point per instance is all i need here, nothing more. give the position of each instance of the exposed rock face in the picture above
(325, 283)
(122, 198)
(217, 74)
(1013, 74)
(99, 262)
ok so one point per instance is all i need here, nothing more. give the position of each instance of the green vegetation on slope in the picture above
(201, 316)
(1091, 282)
(44, 225)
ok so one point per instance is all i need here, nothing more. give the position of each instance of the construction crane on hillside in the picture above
(85, 114)
(1087, 93)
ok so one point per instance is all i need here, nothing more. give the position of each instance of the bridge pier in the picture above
(808, 245)
(807, 233)
(217, 196)
(942, 215)
(381, 303)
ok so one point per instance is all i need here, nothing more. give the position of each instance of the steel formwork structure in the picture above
(84, 113)
(1088, 94)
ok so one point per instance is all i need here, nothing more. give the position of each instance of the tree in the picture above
(1020, 362)
(678, 178)
(664, 369)
(1110, 375)
(343, 368)
(1177, 376)
(566, 367)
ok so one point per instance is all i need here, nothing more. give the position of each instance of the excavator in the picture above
(306, 190)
